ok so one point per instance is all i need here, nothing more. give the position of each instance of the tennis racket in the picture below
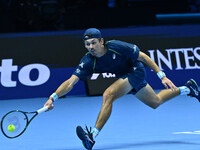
(20, 121)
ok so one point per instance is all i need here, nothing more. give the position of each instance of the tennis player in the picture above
(126, 61)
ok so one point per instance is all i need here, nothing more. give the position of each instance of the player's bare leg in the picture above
(116, 90)
(146, 95)
(150, 98)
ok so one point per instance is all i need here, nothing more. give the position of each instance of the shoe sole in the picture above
(79, 132)
(194, 82)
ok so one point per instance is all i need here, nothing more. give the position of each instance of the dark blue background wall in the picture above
(175, 48)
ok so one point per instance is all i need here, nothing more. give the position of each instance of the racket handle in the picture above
(42, 109)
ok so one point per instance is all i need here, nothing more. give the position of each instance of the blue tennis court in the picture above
(132, 125)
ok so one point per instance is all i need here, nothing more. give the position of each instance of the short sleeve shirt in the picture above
(119, 60)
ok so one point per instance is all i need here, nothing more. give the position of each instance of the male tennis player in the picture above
(125, 60)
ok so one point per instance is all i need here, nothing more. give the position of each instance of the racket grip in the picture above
(42, 109)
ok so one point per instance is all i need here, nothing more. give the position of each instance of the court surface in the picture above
(132, 126)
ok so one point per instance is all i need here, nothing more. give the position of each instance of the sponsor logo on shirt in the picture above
(114, 56)
(104, 75)
(134, 68)
(134, 47)
(81, 65)
(78, 71)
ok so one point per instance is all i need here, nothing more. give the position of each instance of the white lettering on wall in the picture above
(177, 56)
(7, 68)
(167, 60)
(190, 61)
(43, 74)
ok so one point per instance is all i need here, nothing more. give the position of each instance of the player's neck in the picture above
(103, 51)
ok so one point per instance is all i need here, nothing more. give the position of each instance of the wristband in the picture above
(54, 96)
(161, 74)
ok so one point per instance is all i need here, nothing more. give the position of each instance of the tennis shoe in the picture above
(194, 91)
(86, 137)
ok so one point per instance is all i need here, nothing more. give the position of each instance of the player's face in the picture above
(95, 47)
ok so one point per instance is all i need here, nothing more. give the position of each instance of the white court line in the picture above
(187, 132)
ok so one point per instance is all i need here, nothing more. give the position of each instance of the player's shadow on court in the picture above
(149, 144)
(137, 145)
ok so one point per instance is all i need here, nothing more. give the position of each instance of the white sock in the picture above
(184, 90)
(95, 132)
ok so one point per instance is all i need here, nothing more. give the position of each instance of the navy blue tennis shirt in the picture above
(120, 59)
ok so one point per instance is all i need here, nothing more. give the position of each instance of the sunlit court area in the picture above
(42, 44)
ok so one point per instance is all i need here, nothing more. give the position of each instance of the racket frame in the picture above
(27, 119)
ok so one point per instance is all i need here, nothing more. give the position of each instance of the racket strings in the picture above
(18, 119)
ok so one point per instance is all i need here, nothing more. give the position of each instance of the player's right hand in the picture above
(168, 84)
(49, 104)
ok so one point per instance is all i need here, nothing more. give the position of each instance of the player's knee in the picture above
(155, 104)
(108, 97)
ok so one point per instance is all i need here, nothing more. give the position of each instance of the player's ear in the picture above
(102, 41)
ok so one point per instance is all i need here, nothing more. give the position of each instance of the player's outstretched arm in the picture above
(149, 62)
(63, 89)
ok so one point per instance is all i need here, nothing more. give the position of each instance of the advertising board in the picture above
(35, 64)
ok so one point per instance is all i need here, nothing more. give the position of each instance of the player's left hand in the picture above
(168, 84)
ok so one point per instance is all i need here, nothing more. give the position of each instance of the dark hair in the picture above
(89, 35)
